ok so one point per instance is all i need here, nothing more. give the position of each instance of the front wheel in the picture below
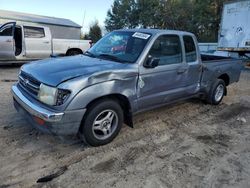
(217, 92)
(102, 123)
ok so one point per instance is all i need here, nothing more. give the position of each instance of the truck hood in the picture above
(57, 70)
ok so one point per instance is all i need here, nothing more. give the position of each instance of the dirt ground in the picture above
(189, 144)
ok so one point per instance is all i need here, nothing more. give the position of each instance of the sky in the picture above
(70, 9)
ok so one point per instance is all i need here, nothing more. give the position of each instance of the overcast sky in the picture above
(70, 9)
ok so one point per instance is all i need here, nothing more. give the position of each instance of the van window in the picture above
(168, 49)
(33, 32)
(190, 49)
(6, 31)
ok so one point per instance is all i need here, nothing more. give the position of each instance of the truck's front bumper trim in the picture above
(35, 110)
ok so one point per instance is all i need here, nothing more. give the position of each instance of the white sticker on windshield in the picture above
(141, 35)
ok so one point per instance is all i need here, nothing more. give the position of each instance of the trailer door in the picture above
(7, 42)
(37, 42)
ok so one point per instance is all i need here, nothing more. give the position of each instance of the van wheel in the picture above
(102, 123)
(73, 52)
(217, 92)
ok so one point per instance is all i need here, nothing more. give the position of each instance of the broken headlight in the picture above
(52, 96)
(62, 96)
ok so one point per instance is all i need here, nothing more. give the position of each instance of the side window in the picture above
(6, 31)
(33, 32)
(168, 49)
(190, 49)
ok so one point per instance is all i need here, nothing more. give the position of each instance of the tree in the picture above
(202, 17)
(121, 15)
(84, 36)
(95, 32)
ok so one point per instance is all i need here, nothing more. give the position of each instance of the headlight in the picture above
(47, 94)
(62, 96)
(52, 96)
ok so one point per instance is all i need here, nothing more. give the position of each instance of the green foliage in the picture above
(202, 17)
(122, 14)
(84, 36)
(95, 32)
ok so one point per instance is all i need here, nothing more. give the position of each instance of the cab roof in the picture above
(158, 31)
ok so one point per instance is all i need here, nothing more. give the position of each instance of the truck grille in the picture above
(29, 84)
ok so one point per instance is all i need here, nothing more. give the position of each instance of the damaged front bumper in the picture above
(59, 123)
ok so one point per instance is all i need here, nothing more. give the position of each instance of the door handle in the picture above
(182, 70)
(204, 67)
(8, 40)
(46, 42)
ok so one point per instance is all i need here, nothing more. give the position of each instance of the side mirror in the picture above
(151, 62)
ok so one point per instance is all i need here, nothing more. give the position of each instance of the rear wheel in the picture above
(102, 123)
(73, 52)
(217, 92)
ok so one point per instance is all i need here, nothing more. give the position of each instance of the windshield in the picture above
(121, 46)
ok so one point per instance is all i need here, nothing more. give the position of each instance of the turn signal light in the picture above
(39, 120)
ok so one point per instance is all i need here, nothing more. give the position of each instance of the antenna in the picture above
(83, 18)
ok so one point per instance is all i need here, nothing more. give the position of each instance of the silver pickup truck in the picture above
(126, 72)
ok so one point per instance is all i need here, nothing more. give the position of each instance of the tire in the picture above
(217, 92)
(102, 123)
(73, 52)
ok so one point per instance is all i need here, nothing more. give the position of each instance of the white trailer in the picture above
(234, 35)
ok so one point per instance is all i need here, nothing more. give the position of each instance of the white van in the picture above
(29, 42)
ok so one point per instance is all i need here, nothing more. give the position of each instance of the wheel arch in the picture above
(122, 100)
(74, 49)
(225, 77)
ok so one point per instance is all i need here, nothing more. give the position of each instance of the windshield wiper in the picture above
(111, 57)
(87, 53)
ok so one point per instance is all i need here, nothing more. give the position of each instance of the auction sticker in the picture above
(141, 35)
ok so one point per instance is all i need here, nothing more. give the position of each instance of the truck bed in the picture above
(60, 46)
(211, 58)
(218, 66)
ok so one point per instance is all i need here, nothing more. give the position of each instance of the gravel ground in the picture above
(188, 144)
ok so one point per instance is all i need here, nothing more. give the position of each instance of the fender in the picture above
(125, 87)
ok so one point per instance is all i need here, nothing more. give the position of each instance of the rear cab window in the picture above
(190, 49)
(168, 49)
(33, 32)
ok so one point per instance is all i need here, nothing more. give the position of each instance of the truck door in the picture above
(37, 42)
(7, 42)
(194, 71)
(166, 82)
